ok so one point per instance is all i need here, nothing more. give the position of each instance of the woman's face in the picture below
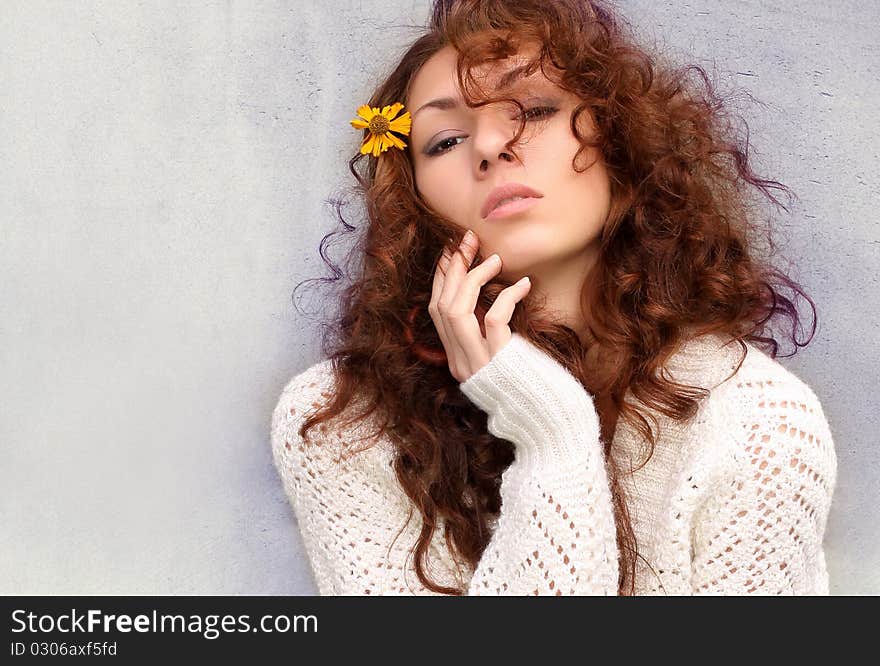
(459, 156)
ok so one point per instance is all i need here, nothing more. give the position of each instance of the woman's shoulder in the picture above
(770, 379)
(307, 386)
(748, 387)
(778, 405)
(329, 444)
(304, 390)
(767, 411)
(713, 360)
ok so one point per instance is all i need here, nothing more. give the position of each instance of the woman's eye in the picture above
(441, 147)
(529, 114)
(539, 112)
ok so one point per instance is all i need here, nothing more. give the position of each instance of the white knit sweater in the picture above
(734, 502)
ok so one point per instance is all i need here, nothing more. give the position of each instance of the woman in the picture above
(454, 443)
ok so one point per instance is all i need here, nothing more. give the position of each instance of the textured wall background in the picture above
(161, 184)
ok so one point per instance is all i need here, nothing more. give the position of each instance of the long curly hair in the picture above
(683, 253)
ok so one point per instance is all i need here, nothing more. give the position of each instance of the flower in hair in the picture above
(381, 124)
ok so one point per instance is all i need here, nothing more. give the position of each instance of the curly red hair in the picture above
(680, 255)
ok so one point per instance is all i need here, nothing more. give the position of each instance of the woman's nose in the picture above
(492, 139)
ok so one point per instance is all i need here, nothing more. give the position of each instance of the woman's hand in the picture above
(453, 299)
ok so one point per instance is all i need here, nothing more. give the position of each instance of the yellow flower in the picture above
(381, 124)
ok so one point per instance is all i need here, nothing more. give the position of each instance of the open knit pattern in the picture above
(733, 502)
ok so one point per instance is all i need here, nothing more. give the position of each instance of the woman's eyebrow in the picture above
(443, 103)
(449, 103)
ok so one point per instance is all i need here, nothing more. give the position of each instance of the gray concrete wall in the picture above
(162, 168)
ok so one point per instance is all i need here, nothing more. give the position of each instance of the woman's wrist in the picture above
(534, 402)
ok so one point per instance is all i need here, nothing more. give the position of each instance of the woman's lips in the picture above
(512, 208)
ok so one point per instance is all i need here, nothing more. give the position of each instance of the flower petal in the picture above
(367, 146)
(359, 123)
(395, 141)
(365, 112)
(401, 125)
(397, 106)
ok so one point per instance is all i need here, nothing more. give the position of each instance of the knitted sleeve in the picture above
(556, 534)
(762, 534)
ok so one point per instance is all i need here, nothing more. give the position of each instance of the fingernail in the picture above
(469, 235)
(495, 258)
(524, 281)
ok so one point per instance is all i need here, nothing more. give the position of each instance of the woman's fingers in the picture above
(459, 265)
(436, 290)
(497, 319)
(461, 329)
(450, 270)
(461, 315)
(454, 296)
